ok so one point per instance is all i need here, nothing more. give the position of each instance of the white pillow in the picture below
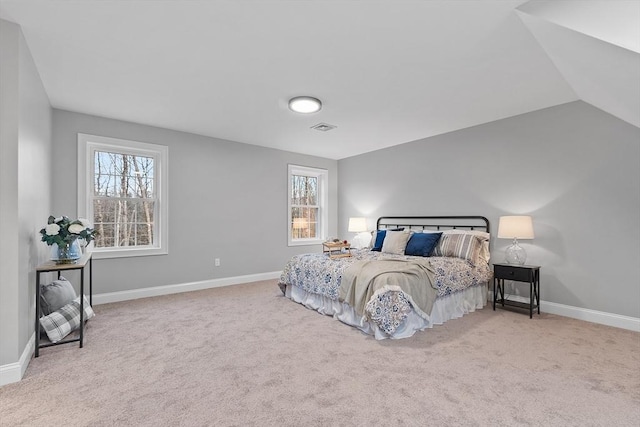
(395, 242)
(372, 240)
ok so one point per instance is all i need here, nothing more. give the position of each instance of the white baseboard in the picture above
(182, 287)
(609, 319)
(13, 372)
(594, 316)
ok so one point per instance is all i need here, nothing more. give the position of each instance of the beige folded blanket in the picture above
(414, 277)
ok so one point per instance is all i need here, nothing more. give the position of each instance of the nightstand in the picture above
(518, 273)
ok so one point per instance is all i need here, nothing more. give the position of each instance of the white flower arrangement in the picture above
(62, 231)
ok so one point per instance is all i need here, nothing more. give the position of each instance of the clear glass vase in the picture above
(66, 253)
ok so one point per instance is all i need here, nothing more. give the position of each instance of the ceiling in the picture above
(387, 71)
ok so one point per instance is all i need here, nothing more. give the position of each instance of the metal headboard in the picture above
(434, 223)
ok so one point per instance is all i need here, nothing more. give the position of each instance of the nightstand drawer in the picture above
(512, 273)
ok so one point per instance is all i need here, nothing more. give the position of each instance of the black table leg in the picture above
(81, 306)
(495, 294)
(37, 325)
(531, 299)
(538, 290)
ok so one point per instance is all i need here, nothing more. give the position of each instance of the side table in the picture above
(518, 273)
(51, 266)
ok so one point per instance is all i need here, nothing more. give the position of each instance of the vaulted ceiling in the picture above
(387, 71)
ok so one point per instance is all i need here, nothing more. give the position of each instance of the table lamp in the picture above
(357, 225)
(515, 227)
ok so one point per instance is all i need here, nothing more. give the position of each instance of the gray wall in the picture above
(226, 200)
(574, 168)
(25, 179)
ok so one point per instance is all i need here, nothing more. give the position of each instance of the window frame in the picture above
(87, 146)
(323, 201)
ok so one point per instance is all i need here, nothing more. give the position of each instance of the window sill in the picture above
(127, 253)
(309, 242)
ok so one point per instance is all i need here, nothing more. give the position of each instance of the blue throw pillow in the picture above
(380, 234)
(377, 245)
(422, 244)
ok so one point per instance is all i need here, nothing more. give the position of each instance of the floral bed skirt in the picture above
(446, 307)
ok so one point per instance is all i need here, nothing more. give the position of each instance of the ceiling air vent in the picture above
(323, 127)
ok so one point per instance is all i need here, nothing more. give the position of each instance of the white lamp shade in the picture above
(357, 225)
(515, 227)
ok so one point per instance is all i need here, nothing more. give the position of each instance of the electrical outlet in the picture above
(217, 262)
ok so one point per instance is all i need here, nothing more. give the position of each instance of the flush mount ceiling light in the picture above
(305, 104)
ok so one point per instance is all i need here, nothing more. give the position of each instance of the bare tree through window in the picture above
(304, 207)
(124, 199)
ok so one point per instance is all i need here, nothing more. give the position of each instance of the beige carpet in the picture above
(246, 356)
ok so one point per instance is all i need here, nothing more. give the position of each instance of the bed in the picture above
(418, 272)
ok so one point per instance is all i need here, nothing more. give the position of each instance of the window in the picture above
(122, 191)
(307, 205)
